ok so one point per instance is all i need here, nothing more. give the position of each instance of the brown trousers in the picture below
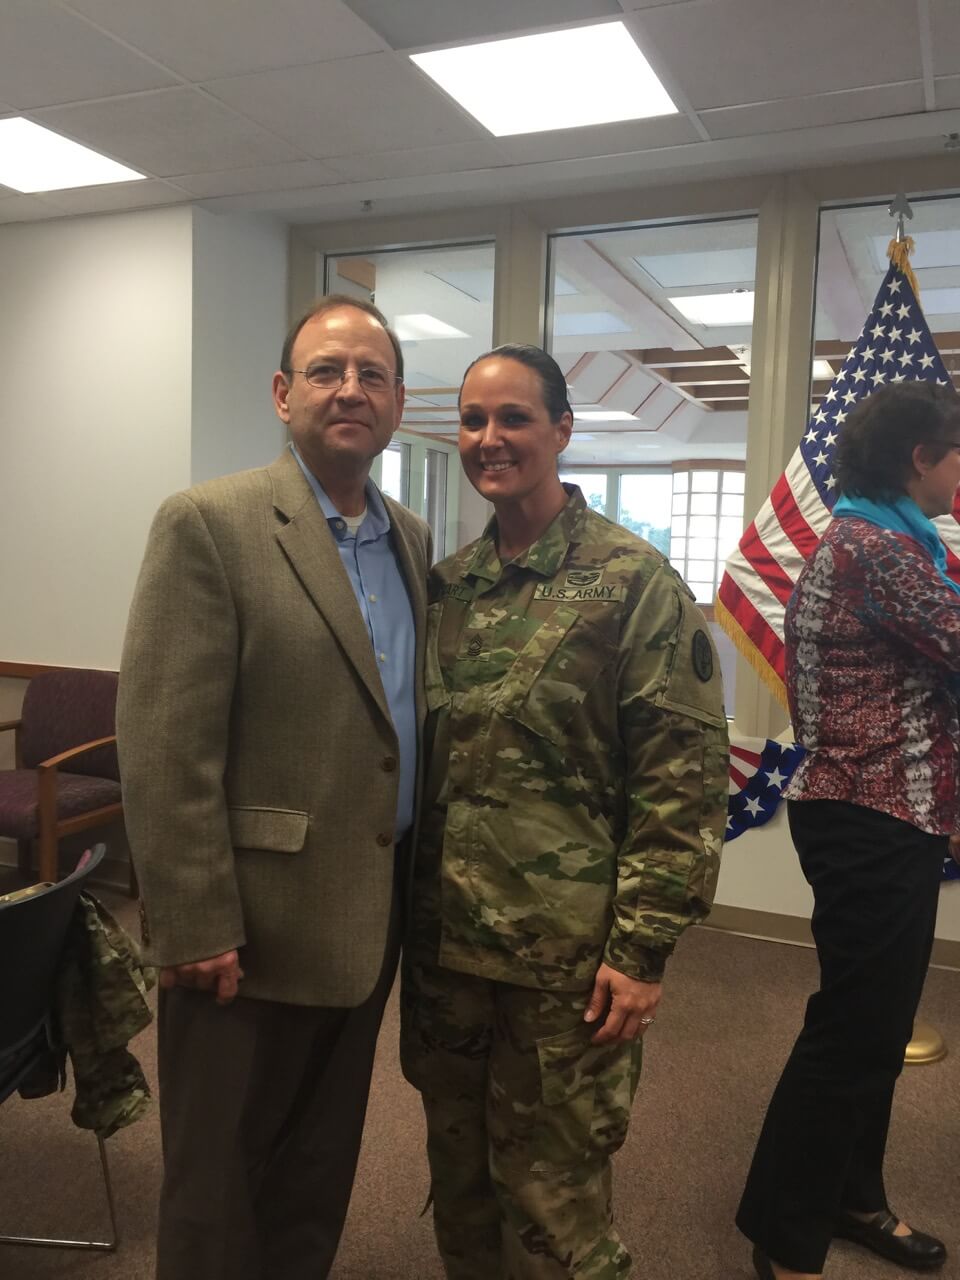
(261, 1110)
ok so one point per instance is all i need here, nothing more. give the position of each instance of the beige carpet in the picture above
(731, 1008)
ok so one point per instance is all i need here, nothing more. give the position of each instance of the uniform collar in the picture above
(545, 556)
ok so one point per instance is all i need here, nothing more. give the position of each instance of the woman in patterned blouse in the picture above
(873, 661)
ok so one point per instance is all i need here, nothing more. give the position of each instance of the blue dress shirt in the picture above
(378, 583)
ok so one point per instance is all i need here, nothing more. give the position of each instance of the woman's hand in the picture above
(955, 847)
(630, 1005)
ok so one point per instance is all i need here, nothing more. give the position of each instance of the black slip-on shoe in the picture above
(918, 1251)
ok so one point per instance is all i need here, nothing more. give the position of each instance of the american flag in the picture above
(759, 770)
(895, 345)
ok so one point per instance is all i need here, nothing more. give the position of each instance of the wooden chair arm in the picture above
(17, 727)
(54, 763)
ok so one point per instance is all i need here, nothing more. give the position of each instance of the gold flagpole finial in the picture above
(901, 246)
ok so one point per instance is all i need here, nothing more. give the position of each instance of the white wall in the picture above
(136, 353)
(95, 336)
(239, 320)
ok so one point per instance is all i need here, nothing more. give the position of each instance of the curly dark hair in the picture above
(552, 381)
(875, 451)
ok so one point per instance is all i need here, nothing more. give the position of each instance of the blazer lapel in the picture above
(308, 545)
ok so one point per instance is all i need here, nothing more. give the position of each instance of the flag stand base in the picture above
(926, 1046)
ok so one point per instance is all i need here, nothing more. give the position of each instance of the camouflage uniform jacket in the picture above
(577, 760)
(101, 1004)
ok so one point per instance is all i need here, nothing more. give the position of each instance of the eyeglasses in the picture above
(371, 377)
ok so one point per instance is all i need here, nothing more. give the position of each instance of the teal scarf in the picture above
(902, 515)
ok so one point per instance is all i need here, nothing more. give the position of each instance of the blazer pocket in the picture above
(279, 830)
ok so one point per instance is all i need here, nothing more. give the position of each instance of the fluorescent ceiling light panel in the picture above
(932, 249)
(555, 80)
(686, 270)
(941, 302)
(823, 370)
(35, 159)
(475, 282)
(716, 309)
(589, 323)
(418, 327)
(602, 415)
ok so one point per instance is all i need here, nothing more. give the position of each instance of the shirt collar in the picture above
(376, 522)
(545, 556)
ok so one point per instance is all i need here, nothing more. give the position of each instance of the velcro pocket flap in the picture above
(279, 830)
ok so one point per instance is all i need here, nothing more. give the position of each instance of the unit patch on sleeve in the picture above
(702, 656)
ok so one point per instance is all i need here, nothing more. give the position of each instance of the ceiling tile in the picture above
(372, 103)
(945, 28)
(947, 93)
(413, 24)
(234, 37)
(112, 196)
(173, 131)
(599, 140)
(454, 157)
(805, 113)
(264, 177)
(729, 52)
(20, 208)
(50, 56)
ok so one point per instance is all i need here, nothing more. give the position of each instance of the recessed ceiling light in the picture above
(602, 415)
(419, 326)
(36, 159)
(555, 80)
(715, 309)
(579, 323)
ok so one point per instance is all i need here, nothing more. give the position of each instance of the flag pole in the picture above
(927, 1044)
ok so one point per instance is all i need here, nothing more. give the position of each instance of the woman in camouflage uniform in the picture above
(572, 825)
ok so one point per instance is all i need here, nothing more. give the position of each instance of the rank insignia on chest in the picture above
(475, 647)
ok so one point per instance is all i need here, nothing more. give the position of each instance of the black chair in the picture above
(33, 930)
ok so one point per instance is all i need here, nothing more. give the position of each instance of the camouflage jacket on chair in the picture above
(577, 759)
(101, 1005)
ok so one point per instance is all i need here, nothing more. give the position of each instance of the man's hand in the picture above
(955, 847)
(632, 1005)
(221, 974)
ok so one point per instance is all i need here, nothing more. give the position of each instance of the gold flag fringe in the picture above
(749, 652)
(899, 251)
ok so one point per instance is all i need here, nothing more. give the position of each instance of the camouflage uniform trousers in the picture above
(523, 1115)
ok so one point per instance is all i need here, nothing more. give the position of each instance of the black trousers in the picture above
(875, 882)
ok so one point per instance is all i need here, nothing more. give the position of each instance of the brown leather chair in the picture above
(66, 777)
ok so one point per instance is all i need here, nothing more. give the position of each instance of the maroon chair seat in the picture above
(66, 778)
(76, 794)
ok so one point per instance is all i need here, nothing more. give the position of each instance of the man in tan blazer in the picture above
(269, 719)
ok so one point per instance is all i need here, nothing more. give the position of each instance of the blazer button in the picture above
(388, 764)
(384, 838)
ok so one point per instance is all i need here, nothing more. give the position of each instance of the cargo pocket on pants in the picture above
(586, 1092)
